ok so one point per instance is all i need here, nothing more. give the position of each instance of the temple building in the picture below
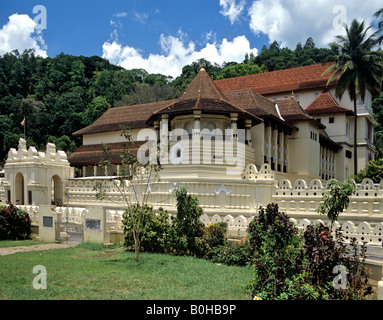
(289, 119)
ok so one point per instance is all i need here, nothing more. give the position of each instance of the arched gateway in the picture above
(34, 178)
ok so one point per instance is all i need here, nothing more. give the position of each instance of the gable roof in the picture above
(93, 154)
(202, 94)
(287, 80)
(250, 100)
(325, 103)
(291, 111)
(132, 116)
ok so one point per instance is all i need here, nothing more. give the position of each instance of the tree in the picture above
(336, 199)
(95, 109)
(187, 222)
(134, 183)
(357, 67)
(373, 171)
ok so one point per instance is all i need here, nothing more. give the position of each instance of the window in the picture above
(313, 136)
(331, 120)
(348, 154)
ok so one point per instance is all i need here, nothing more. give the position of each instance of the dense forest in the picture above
(60, 95)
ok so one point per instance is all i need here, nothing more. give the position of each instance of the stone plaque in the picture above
(93, 224)
(48, 222)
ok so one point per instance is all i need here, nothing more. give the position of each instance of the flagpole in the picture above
(23, 123)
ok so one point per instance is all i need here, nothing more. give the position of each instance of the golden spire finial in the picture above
(292, 95)
(202, 65)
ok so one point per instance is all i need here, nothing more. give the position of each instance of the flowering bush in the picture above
(15, 224)
(278, 255)
(288, 265)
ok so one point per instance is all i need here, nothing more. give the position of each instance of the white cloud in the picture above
(120, 14)
(21, 33)
(141, 17)
(293, 21)
(177, 54)
(231, 9)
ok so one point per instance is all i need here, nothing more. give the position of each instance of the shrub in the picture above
(324, 253)
(213, 235)
(278, 255)
(15, 224)
(288, 265)
(238, 254)
(336, 199)
(155, 232)
(187, 224)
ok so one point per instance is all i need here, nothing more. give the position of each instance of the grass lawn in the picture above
(90, 271)
(15, 243)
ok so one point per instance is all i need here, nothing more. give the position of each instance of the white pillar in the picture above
(157, 130)
(164, 139)
(197, 123)
(234, 127)
(268, 144)
(275, 148)
(248, 131)
(281, 149)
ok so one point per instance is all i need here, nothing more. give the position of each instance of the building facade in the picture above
(290, 119)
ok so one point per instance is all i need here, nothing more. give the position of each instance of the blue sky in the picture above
(162, 36)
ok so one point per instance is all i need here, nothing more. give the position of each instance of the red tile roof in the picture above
(202, 94)
(132, 116)
(291, 111)
(93, 154)
(287, 80)
(325, 104)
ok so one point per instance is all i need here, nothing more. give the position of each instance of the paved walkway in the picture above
(11, 250)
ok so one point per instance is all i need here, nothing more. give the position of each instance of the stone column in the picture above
(281, 149)
(164, 139)
(268, 144)
(275, 147)
(196, 138)
(234, 127)
(248, 131)
(157, 129)
(197, 123)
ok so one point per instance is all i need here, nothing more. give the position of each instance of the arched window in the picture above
(19, 189)
(189, 128)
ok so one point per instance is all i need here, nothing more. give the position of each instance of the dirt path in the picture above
(11, 250)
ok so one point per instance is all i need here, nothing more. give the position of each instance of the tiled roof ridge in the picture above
(197, 84)
(290, 77)
(314, 107)
(215, 87)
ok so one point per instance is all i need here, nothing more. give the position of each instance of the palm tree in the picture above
(357, 67)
